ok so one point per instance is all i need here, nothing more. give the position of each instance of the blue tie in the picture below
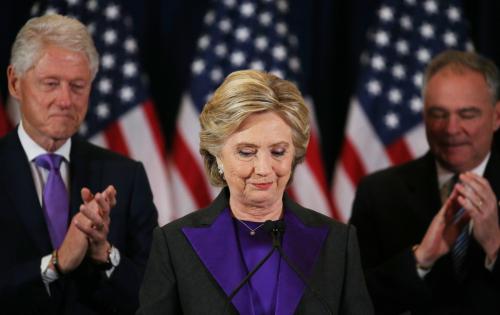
(55, 198)
(459, 250)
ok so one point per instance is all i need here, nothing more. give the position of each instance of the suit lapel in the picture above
(423, 188)
(491, 172)
(215, 243)
(83, 173)
(302, 244)
(19, 184)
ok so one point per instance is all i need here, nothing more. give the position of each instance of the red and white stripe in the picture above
(363, 153)
(5, 125)
(137, 134)
(309, 187)
(190, 186)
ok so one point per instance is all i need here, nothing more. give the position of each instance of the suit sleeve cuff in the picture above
(48, 275)
(422, 272)
(489, 264)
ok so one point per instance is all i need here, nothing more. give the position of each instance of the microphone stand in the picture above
(304, 279)
(277, 230)
(267, 226)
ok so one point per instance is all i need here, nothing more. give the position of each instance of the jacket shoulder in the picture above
(83, 147)
(311, 217)
(395, 174)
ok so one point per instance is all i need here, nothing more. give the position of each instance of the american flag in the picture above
(384, 125)
(240, 35)
(121, 115)
(4, 122)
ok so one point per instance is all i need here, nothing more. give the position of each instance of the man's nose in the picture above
(453, 124)
(64, 95)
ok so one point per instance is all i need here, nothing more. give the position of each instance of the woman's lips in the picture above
(262, 186)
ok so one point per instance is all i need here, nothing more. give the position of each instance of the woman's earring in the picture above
(220, 168)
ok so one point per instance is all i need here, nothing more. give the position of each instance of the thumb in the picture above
(87, 195)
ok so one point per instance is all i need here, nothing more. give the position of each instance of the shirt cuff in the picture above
(422, 272)
(114, 258)
(489, 264)
(48, 275)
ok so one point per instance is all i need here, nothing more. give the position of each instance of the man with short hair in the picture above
(64, 249)
(429, 229)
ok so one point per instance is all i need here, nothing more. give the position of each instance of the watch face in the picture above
(114, 256)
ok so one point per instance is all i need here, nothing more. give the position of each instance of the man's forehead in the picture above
(61, 62)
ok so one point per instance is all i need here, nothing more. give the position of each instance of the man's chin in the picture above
(455, 152)
(61, 135)
(456, 164)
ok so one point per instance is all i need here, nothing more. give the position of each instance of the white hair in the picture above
(51, 29)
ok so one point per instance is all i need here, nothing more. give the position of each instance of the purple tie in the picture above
(55, 198)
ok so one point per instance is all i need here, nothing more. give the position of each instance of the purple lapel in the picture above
(302, 244)
(217, 247)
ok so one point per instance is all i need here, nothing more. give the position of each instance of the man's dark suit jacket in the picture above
(183, 277)
(24, 237)
(392, 211)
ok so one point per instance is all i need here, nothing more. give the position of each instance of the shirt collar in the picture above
(32, 148)
(444, 175)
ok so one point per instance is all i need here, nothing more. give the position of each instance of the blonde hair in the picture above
(242, 94)
(51, 29)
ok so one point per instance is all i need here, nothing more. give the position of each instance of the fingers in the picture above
(93, 213)
(103, 206)
(105, 200)
(481, 205)
(82, 223)
(472, 209)
(93, 218)
(86, 194)
(479, 197)
(475, 181)
(110, 194)
(451, 206)
(462, 216)
(96, 232)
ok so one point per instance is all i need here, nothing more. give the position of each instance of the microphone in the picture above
(268, 226)
(277, 230)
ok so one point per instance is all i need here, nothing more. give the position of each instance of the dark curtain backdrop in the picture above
(331, 34)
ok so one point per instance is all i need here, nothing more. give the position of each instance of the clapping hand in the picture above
(442, 232)
(480, 204)
(95, 219)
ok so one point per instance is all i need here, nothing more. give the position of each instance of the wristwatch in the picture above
(114, 256)
(113, 259)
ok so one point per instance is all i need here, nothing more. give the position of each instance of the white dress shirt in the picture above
(40, 175)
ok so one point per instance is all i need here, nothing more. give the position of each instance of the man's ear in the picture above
(14, 83)
(497, 115)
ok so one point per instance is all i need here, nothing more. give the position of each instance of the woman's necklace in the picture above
(252, 231)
